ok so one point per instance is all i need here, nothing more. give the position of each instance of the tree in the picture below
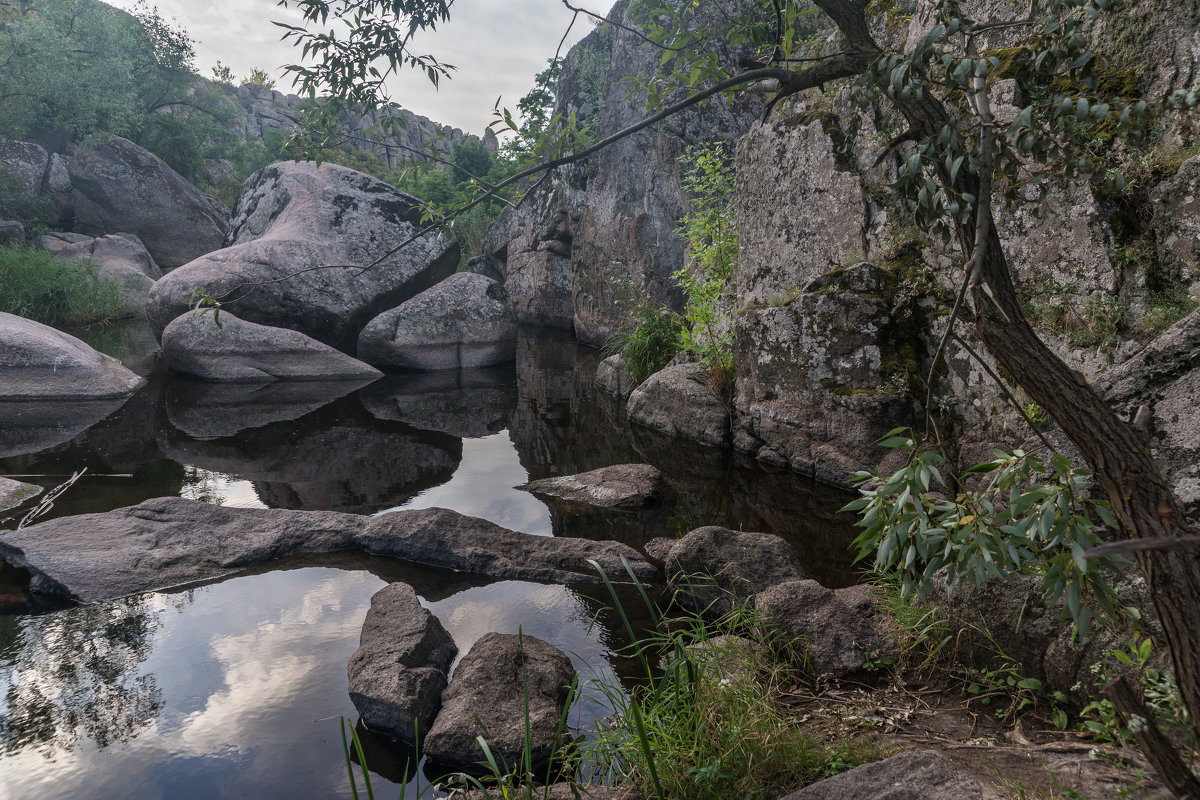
(955, 153)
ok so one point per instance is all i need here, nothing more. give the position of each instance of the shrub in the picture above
(54, 291)
(657, 336)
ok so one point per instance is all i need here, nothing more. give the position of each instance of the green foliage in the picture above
(1030, 514)
(704, 723)
(656, 337)
(222, 74)
(1159, 692)
(32, 211)
(36, 285)
(710, 230)
(260, 77)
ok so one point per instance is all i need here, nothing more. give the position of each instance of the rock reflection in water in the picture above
(467, 403)
(334, 459)
(35, 425)
(214, 410)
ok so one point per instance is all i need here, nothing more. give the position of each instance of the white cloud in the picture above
(497, 45)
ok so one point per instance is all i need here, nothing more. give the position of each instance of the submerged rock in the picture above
(712, 569)
(297, 246)
(678, 401)
(911, 775)
(38, 362)
(169, 541)
(399, 671)
(488, 698)
(236, 351)
(14, 493)
(464, 322)
(624, 487)
(834, 639)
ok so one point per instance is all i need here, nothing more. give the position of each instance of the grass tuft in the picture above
(36, 285)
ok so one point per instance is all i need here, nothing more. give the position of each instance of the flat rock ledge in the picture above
(169, 541)
(487, 698)
(14, 493)
(911, 775)
(623, 487)
(399, 671)
(237, 351)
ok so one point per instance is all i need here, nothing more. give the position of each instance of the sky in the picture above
(497, 45)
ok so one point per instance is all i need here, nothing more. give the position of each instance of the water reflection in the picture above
(213, 410)
(467, 403)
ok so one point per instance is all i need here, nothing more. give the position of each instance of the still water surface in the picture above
(227, 689)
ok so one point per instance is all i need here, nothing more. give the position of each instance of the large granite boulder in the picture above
(911, 775)
(678, 401)
(236, 351)
(171, 540)
(399, 671)
(614, 378)
(297, 245)
(24, 165)
(38, 362)
(824, 374)
(624, 487)
(831, 637)
(488, 698)
(464, 322)
(713, 569)
(118, 186)
(11, 232)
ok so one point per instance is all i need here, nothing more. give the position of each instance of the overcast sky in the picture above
(497, 45)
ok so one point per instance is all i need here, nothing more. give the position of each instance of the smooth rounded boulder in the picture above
(122, 256)
(226, 349)
(38, 362)
(115, 185)
(298, 244)
(465, 321)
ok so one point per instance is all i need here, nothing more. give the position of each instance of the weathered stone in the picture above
(911, 775)
(626, 487)
(822, 377)
(464, 322)
(11, 232)
(39, 362)
(121, 256)
(399, 671)
(57, 240)
(25, 163)
(119, 186)
(316, 227)
(171, 540)
(833, 638)
(715, 569)
(614, 378)
(678, 401)
(467, 403)
(244, 352)
(488, 696)
(1177, 212)
(14, 493)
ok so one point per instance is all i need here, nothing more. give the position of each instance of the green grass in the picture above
(656, 337)
(58, 292)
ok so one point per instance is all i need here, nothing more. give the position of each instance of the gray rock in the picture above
(823, 376)
(11, 232)
(613, 378)
(832, 638)
(625, 487)
(678, 401)
(464, 322)
(57, 240)
(26, 163)
(119, 186)
(14, 493)
(122, 256)
(300, 237)
(244, 352)
(398, 673)
(716, 568)
(39, 362)
(911, 775)
(489, 687)
(170, 540)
